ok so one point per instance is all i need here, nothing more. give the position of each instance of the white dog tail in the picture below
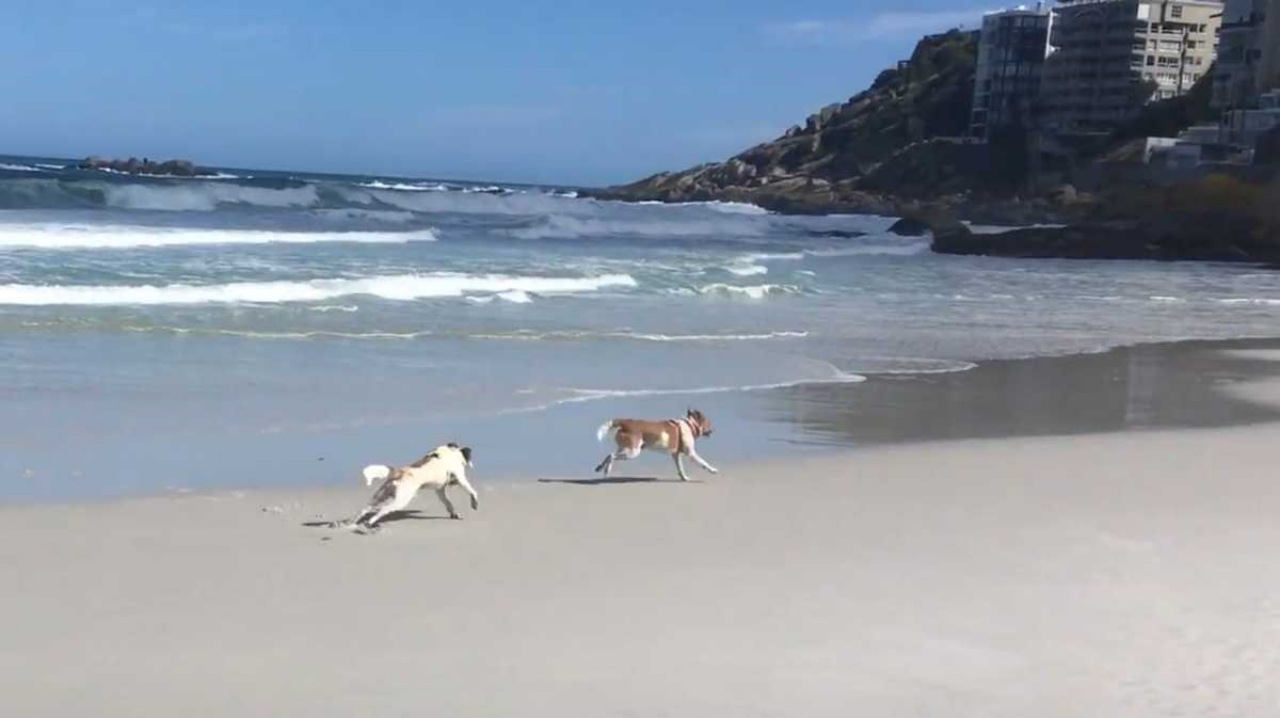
(376, 472)
(605, 428)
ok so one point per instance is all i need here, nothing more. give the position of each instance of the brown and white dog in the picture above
(443, 467)
(674, 436)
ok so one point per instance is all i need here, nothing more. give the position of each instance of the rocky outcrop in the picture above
(1114, 240)
(135, 166)
(1218, 218)
(819, 162)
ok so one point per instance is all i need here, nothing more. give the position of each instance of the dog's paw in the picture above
(475, 504)
(712, 470)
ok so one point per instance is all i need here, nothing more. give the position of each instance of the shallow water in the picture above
(267, 307)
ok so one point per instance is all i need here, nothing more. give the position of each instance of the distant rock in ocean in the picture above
(135, 166)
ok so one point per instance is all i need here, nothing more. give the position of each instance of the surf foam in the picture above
(93, 236)
(394, 288)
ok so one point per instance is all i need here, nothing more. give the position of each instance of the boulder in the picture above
(910, 227)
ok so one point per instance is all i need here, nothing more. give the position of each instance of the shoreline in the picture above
(1165, 385)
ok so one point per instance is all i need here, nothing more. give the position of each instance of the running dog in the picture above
(440, 469)
(674, 436)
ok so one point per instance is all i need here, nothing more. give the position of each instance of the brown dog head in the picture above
(700, 420)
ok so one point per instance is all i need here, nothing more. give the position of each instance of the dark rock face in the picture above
(1105, 240)
(172, 168)
(910, 227)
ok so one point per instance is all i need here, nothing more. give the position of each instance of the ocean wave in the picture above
(747, 270)
(515, 296)
(405, 186)
(572, 335)
(715, 205)
(198, 196)
(561, 226)
(755, 291)
(91, 236)
(394, 288)
(385, 216)
(19, 168)
(512, 336)
(1256, 301)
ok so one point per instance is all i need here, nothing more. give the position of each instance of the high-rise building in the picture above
(1239, 63)
(1110, 57)
(1011, 52)
(1267, 76)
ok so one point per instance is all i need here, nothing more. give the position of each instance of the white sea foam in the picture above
(102, 236)
(762, 336)
(755, 291)
(585, 395)
(1256, 301)
(405, 186)
(395, 288)
(747, 270)
(19, 168)
(198, 196)
(515, 296)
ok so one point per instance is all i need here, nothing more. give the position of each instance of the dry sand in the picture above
(1130, 574)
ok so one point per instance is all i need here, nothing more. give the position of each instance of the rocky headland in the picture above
(899, 149)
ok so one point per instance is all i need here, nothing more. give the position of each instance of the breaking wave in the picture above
(204, 196)
(88, 236)
(756, 291)
(19, 168)
(394, 288)
(570, 227)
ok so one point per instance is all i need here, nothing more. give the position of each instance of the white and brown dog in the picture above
(674, 436)
(440, 469)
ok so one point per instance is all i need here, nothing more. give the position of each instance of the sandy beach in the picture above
(1120, 574)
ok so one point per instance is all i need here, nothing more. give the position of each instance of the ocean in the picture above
(220, 331)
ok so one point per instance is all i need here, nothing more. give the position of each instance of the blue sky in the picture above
(571, 91)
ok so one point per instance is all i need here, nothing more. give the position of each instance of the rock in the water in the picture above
(133, 165)
(910, 227)
(1105, 240)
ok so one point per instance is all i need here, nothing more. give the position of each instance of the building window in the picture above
(1176, 11)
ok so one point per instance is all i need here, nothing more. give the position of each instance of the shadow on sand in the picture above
(391, 518)
(613, 481)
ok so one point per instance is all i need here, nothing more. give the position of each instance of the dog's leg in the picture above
(621, 454)
(605, 465)
(680, 466)
(461, 479)
(443, 495)
(700, 462)
(402, 497)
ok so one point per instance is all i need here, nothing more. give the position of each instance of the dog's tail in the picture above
(376, 472)
(605, 428)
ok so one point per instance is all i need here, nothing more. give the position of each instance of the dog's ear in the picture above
(453, 445)
(466, 454)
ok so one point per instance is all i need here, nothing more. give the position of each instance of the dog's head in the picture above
(700, 420)
(464, 450)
